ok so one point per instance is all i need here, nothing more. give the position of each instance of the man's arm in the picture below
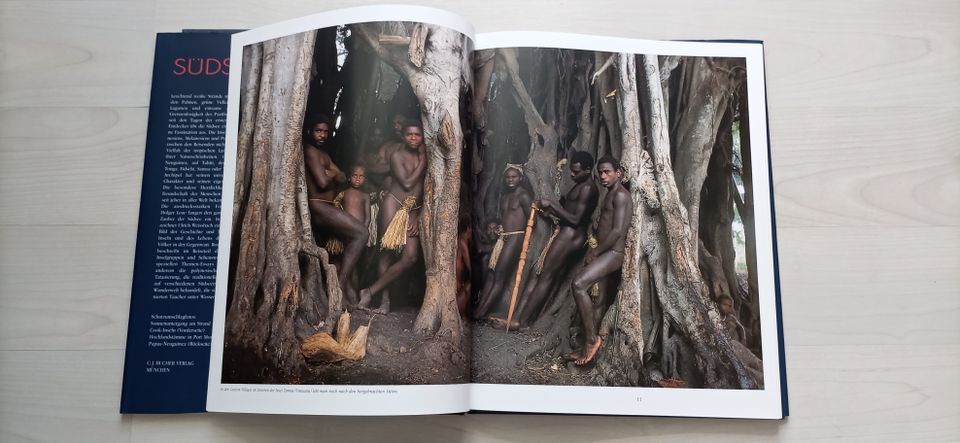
(575, 217)
(525, 200)
(415, 176)
(314, 164)
(622, 210)
(382, 165)
(365, 201)
(334, 172)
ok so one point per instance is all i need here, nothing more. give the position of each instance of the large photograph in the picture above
(613, 216)
(346, 192)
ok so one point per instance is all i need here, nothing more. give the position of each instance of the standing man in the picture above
(379, 166)
(607, 257)
(323, 176)
(400, 215)
(565, 244)
(514, 211)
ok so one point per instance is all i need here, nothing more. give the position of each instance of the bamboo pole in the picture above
(523, 260)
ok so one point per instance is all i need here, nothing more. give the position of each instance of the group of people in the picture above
(602, 249)
(351, 218)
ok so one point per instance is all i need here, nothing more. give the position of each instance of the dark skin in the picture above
(607, 258)
(487, 240)
(380, 164)
(514, 210)
(407, 168)
(323, 176)
(574, 217)
(464, 279)
(357, 204)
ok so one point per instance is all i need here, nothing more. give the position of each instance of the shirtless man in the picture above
(408, 165)
(357, 204)
(379, 166)
(322, 178)
(568, 241)
(514, 211)
(607, 257)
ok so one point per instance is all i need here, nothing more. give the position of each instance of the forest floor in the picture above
(501, 357)
(396, 354)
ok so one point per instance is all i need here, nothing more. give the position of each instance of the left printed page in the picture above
(168, 336)
(341, 188)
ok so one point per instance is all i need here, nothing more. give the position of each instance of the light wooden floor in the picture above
(864, 103)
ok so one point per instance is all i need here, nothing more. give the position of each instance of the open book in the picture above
(418, 219)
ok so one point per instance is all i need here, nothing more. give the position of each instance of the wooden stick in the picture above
(393, 39)
(523, 260)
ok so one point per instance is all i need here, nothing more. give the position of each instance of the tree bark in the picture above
(712, 84)
(684, 298)
(437, 82)
(745, 208)
(609, 83)
(716, 216)
(269, 290)
(622, 359)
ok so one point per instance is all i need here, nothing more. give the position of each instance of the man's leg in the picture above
(408, 257)
(562, 253)
(608, 291)
(602, 266)
(388, 207)
(350, 231)
(506, 266)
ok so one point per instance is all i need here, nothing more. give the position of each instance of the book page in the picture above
(625, 248)
(341, 180)
(171, 303)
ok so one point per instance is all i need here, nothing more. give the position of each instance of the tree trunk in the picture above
(684, 297)
(712, 84)
(269, 301)
(716, 216)
(608, 84)
(745, 208)
(437, 80)
(621, 361)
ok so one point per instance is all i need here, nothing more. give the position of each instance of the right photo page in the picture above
(614, 223)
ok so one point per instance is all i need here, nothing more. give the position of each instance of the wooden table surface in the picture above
(864, 105)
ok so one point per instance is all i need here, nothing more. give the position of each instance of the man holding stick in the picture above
(565, 244)
(515, 210)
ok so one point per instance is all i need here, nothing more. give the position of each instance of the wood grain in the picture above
(864, 108)
(71, 165)
(76, 53)
(65, 287)
(61, 396)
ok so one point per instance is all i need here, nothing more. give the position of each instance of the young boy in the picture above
(356, 202)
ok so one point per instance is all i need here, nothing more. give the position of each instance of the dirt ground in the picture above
(396, 355)
(499, 357)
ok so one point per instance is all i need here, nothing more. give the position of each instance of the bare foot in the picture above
(365, 298)
(501, 323)
(384, 306)
(590, 351)
(571, 356)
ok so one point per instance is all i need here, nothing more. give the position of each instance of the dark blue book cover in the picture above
(168, 336)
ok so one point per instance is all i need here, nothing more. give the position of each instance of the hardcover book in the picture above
(378, 211)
